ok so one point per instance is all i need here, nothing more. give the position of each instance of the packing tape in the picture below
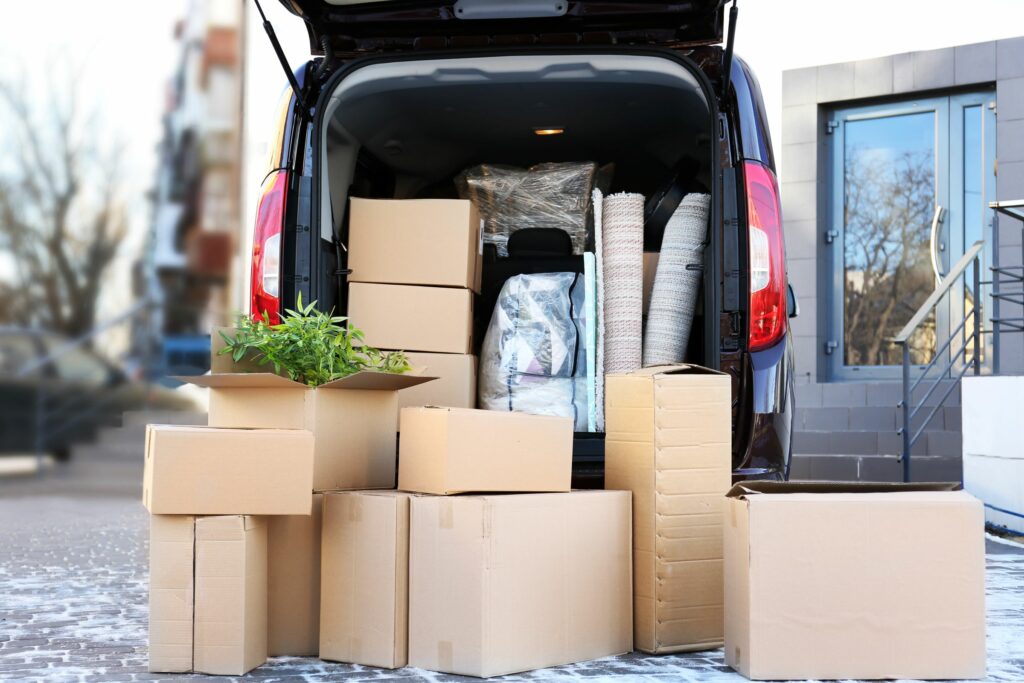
(444, 655)
(355, 509)
(445, 514)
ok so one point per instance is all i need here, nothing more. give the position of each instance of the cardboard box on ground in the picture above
(293, 582)
(453, 450)
(365, 585)
(415, 242)
(208, 593)
(838, 581)
(547, 582)
(354, 420)
(668, 441)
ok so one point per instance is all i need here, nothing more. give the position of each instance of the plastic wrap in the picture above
(550, 195)
(534, 356)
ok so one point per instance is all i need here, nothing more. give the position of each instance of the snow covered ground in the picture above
(73, 573)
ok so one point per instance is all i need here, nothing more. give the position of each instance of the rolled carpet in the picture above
(677, 281)
(622, 228)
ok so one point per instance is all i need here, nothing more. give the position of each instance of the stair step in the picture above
(867, 394)
(871, 419)
(879, 468)
(120, 452)
(140, 418)
(940, 443)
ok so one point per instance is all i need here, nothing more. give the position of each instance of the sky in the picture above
(125, 52)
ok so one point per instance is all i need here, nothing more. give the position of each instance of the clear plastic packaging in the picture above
(534, 357)
(549, 195)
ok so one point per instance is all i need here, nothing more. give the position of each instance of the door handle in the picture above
(937, 219)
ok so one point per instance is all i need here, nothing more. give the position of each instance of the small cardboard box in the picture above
(171, 592)
(668, 440)
(231, 594)
(455, 386)
(458, 450)
(415, 242)
(408, 318)
(293, 578)
(354, 420)
(507, 583)
(364, 611)
(839, 581)
(208, 471)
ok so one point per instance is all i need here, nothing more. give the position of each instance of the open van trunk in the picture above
(405, 127)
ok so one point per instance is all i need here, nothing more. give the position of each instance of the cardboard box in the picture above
(364, 611)
(230, 627)
(171, 592)
(457, 450)
(668, 440)
(293, 579)
(547, 582)
(836, 581)
(207, 471)
(455, 386)
(354, 420)
(435, 319)
(415, 242)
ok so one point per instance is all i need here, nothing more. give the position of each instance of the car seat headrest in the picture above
(532, 242)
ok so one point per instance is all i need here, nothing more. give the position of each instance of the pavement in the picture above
(73, 598)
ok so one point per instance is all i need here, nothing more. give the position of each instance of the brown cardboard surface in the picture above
(506, 583)
(211, 471)
(458, 450)
(171, 592)
(871, 581)
(668, 440)
(409, 318)
(454, 387)
(231, 594)
(415, 242)
(365, 560)
(293, 579)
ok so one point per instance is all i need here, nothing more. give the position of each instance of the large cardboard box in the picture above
(415, 242)
(230, 626)
(171, 592)
(364, 609)
(668, 436)
(506, 583)
(837, 581)
(207, 471)
(457, 450)
(408, 318)
(293, 579)
(454, 387)
(353, 420)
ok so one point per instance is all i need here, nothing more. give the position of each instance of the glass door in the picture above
(903, 175)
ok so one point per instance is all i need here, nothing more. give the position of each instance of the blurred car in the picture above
(54, 394)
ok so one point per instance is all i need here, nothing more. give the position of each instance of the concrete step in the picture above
(128, 451)
(871, 418)
(839, 441)
(879, 468)
(865, 394)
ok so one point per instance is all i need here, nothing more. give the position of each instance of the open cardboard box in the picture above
(354, 420)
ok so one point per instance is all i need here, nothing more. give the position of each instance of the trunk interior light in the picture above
(548, 131)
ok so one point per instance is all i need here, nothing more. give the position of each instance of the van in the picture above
(405, 95)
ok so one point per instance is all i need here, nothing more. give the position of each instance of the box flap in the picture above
(241, 380)
(748, 488)
(374, 380)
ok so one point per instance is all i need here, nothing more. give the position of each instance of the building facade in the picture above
(889, 166)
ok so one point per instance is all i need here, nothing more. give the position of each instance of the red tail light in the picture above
(265, 279)
(768, 316)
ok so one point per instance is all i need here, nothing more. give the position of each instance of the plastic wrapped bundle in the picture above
(551, 195)
(534, 355)
(677, 282)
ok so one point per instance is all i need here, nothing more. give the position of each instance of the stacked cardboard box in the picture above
(415, 266)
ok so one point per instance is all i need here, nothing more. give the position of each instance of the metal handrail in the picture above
(909, 434)
(933, 299)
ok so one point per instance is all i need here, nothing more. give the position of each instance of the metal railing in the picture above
(970, 359)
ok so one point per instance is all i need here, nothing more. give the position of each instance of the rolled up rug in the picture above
(622, 228)
(677, 281)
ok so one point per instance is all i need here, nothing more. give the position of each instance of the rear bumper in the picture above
(770, 444)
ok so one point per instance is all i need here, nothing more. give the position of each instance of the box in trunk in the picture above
(408, 318)
(454, 387)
